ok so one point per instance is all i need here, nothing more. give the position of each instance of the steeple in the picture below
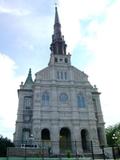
(57, 26)
(56, 16)
(29, 82)
(58, 45)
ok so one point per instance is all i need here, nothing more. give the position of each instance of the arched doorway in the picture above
(45, 134)
(85, 140)
(65, 140)
(45, 137)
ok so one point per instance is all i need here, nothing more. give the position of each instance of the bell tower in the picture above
(58, 45)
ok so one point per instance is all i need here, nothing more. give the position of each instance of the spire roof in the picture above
(29, 82)
(57, 26)
(58, 45)
(56, 16)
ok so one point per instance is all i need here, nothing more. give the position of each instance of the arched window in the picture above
(45, 99)
(81, 101)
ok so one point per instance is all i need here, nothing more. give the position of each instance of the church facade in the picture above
(60, 108)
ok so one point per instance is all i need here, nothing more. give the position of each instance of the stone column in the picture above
(54, 97)
(18, 135)
(37, 135)
(55, 139)
(94, 139)
(102, 136)
(76, 140)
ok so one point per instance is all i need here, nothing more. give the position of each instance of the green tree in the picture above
(4, 143)
(113, 135)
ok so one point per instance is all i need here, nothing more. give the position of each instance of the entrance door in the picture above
(46, 143)
(85, 140)
(65, 140)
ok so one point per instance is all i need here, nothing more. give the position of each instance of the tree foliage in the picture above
(4, 143)
(113, 135)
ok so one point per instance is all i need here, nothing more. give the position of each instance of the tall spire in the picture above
(58, 45)
(57, 26)
(56, 16)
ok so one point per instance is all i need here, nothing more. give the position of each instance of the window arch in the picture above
(81, 101)
(45, 98)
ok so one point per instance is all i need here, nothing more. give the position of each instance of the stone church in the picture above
(60, 108)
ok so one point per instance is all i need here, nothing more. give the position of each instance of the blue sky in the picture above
(91, 30)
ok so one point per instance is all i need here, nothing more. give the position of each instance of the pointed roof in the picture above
(29, 82)
(57, 26)
(58, 45)
(56, 16)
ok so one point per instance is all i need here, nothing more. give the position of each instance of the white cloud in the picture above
(8, 93)
(102, 42)
(71, 12)
(105, 69)
(14, 11)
